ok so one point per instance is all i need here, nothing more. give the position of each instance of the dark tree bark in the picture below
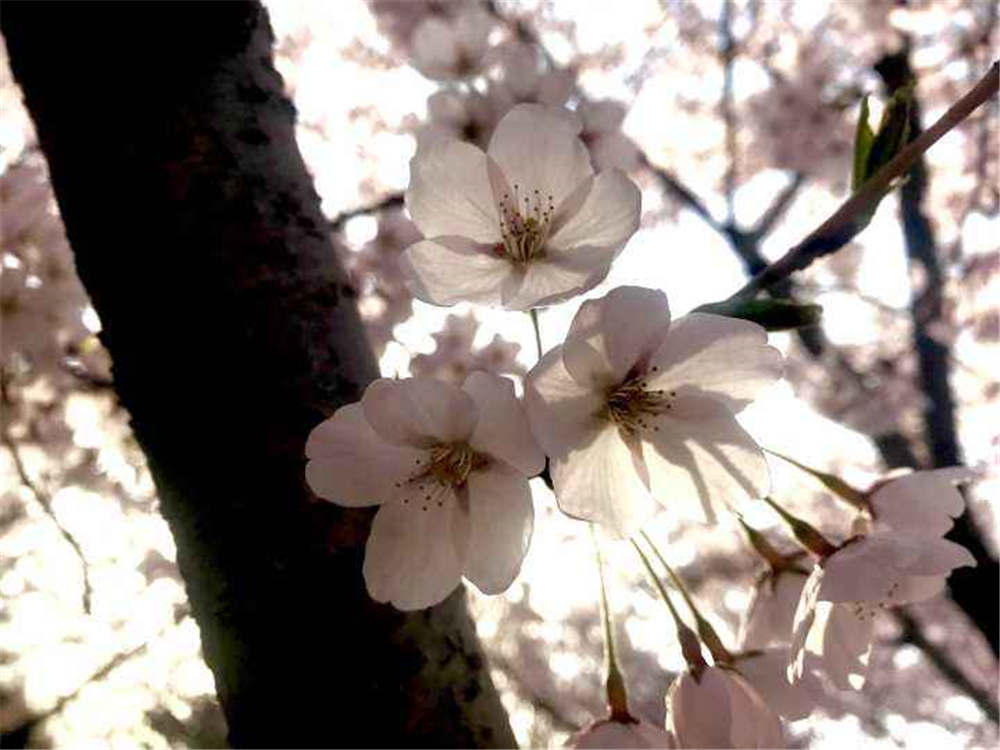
(973, 589)
(198, 235)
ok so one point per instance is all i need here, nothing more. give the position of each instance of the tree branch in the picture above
(393, 200)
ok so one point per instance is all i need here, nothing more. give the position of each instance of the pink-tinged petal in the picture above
(502, 430)
(698, 455)
(450, 194)
(771, 612)
(766, 673)
(615, 335)
(446, 107)
(723, 357)
(435, 50)
(450, 269)
(609, 733)
(844, 633)
(601, 480)
(419, 412)
(472, 31)
(607, 217)
(501, 518)
(698, 711)
(614, 151)
(754, 723)
(922, 502)
(556, 277)
(602, 116)
(351, 465)
(410, 561)
(555, 87)
(538, 149)
(802, 624)
(561, 412)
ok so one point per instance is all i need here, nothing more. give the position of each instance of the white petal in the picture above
(611, 336)
(472, 30)
(601, 116)
(555, 87)
(614, 151)
(561, 412)
(503, 430)
(420, 412)
(754, 722)
(607, 217)
(351, 465)
(844, 635)
(537, 148)
(771, 612)
(435, 49)
(614, 734)
(922, 502)
(599, 480)
(410, 560)
(765, 671)
(500, 523)
(446, 107)
(450, 194)
(698, 711)
(724, 357)
(556, 277)
(450, 270)
(698, 455)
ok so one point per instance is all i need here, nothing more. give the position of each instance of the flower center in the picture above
(631, 404)
(452, 464)
(524, 224)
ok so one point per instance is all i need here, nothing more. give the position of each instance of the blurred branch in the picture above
(846, 222)
(727, 52)
(913, 634)
(41, 497)
(393, 200)
(779, 206)
(972, 589)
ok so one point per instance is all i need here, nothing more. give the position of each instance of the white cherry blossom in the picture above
(527, 223)
(924, 502)
(634, 411)
(611, 733)
(834, 622)
(609, 147)
(768, 619)
(448, 467)
(448, 49)
(766, 671)
(719, 708)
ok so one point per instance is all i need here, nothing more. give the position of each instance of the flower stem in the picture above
(766, 550)
(804, 533)
(533, 312)
(615, 684)
(690, 647)
(836, 485)
(705, 630)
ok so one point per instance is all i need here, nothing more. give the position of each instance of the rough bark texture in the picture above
(972, 589)
(198, 235)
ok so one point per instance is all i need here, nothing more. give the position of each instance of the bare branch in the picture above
(393, 200)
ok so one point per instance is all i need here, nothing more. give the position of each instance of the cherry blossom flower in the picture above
(621, 734)
(766, 671)
(527, 223)
(834, 622)
(719, 708)
(522, 80)
(634, 411)
(609, 147)
(458, 116)
(446, 50)
(924, 502)
(768, 619)
(455, 356)
(448, 467)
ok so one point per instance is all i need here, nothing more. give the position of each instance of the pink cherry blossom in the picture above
(719, 708)
(448, 49)
(768, 619)
(634, 411)
(609, 147)
(611, 733)
(924, 502)
(449, 469)
(527, 223)
(766, 671)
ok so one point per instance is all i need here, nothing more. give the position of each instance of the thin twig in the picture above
(846, 222)
(778, 207)
(728, 54)
(41, 497)
(393, 200)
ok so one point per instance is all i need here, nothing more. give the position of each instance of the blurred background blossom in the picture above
(736, 120)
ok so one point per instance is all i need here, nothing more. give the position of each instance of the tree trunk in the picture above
(198, 235)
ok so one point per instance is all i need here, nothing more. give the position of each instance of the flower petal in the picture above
(409, 560)
(601, 480)
(351, 465)
(502, 430)
(723, 357)
(501, 518)
(923, 502)
(607, 217)
(538, 149)
(766, 673)
(561, 412)
(435, 49)
(771, 612)
(447, 270)
(556, 277)
(754, 724)
(698, 454)
(419, 412)
(450, 194)
(698, 711)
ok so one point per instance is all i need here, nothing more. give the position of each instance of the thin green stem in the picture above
(533, 312)
(854, 497)
(617, 693)
(807, 535)
(690, 647)
(705, 630)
